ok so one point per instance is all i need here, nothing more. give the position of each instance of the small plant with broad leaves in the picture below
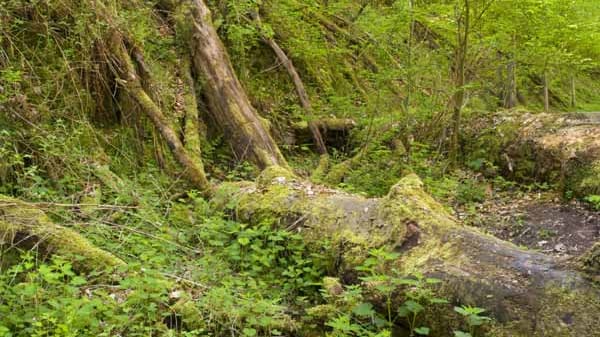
(420, 295)
(474, 319)
(594, 201)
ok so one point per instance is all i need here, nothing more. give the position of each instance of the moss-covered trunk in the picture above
(228, 102)
(529, 294)
(25, 225)
(131, 83)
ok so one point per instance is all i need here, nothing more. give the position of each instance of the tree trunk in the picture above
(130, 82)
(24, 225)
(528, 293)
(546, 93)
(462, 33)
(301, 91)
(510, 99)
(228, 103)
(191, 125)
(573, 93)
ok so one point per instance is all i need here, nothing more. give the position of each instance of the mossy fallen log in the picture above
(25, 225)
(528, 293)
(590, 262)
(552, 148)
(562, 148)
(335, 132)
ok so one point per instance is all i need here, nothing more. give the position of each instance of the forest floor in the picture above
(538, 221)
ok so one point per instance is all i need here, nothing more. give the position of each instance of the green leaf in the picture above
(413, 306)
(363, 310)
(243, 241)
(461, 334)
(250, 332)
(422, 331)
(78, 281)
(461, 311)
(403, 311)
(433, 281)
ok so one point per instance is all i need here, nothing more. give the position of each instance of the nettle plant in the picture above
(379, 282)
(473, 318)
(419, 296)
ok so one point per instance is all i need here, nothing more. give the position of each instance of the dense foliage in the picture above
(75, 144)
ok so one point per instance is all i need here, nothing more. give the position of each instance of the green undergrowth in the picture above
(381, 167)
(236, 278)
(190, 271)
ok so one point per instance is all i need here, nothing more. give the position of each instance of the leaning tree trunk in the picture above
(528, 293)
(131, 83)
(301, 91)
(228, 103)
(299, 85)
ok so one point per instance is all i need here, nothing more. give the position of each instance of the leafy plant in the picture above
(594, 201)
(420, 295)
(473, 317)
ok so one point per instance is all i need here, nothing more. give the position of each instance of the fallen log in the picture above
(562, 148)
(334, 131)
(26, 226)
(528, 293)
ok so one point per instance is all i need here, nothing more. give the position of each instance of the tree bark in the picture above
(191, 120)
(573, 93)
(130, 82)
(228, 103)
(546, 93)
(462, 34)
(528, 293)
(510, 99)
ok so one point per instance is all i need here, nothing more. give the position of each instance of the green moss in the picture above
(323, 312)
(568, 313)
(332, 286)
(339, 171)
(19, 218)
(590, 261)
(586, 181)
(275, 173)
(319, 173)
